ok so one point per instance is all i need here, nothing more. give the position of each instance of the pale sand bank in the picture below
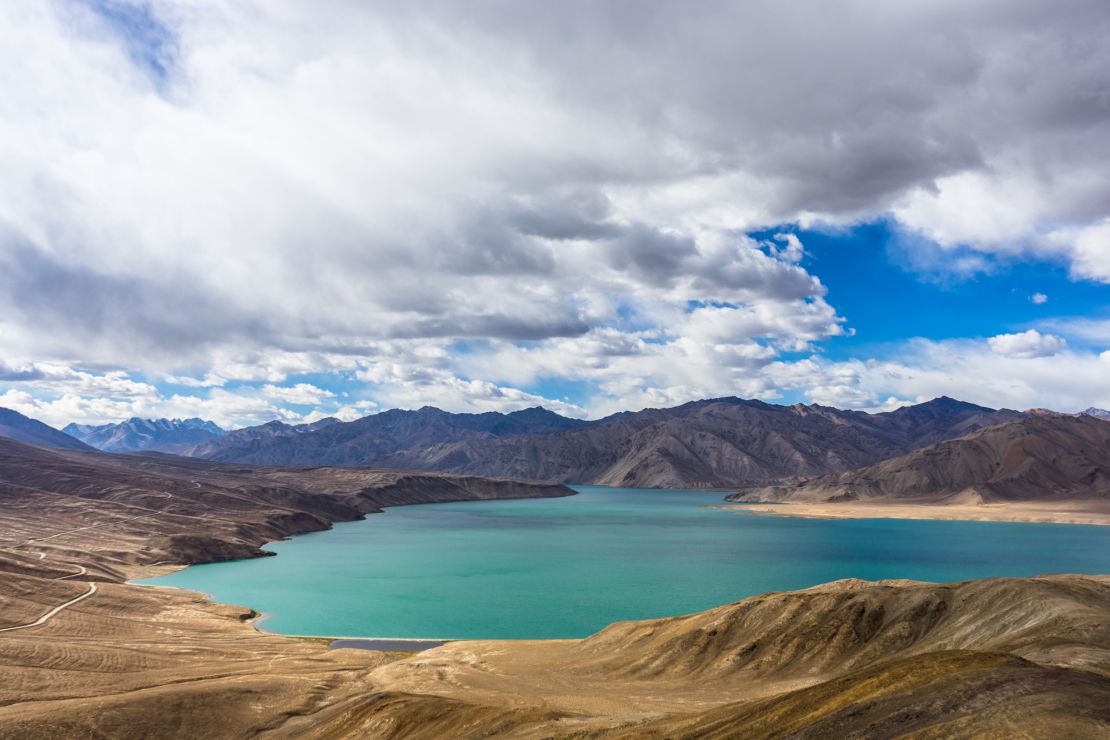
(400, 646)
(1072, 513)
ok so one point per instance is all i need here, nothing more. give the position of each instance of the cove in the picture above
(567, 567)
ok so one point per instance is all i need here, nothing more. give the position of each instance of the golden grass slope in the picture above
(772, 644)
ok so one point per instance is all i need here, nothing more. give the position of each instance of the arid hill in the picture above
(847, 659)
(1042, 458)
(717, 443)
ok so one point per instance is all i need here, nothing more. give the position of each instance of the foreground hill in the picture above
(156, 435)
(714, 443)
(14, 425)
(847, 659)
(1053, 458)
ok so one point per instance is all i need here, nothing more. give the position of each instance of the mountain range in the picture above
(797, 452)
(716, 443)
(135, 434)
(374, 439)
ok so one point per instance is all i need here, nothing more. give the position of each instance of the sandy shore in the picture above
(1078, 513)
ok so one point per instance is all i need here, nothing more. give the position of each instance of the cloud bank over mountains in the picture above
(252, 210)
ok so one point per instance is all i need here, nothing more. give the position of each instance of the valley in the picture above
(84, 652)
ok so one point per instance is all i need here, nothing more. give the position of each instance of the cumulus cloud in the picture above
(1090, 250)
(1038, 298)
(231, 195)
(1027, 344)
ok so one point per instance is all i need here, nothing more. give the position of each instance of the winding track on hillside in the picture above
(81, 571)
(53, 612)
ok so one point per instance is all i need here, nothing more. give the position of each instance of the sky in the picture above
(248, 210)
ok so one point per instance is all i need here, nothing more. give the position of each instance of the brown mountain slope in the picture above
(714, 443)
(141, 509)
(942, 695)
(958, 694)
(1052, 458)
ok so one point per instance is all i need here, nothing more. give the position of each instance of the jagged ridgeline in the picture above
(716, 443)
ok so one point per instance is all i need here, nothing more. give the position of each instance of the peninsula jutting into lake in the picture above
(592, 369)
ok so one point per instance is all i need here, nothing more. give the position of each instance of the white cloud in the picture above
(1091, 252)
(301, 394)
(1093, 331)
(359, 189)
(995, 211)
(210, 380)
(1027, 344)
(1039, 299)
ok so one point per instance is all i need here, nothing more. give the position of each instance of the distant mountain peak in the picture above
(137, 434)
(1097, 412)
(535, 412)
(954, 403)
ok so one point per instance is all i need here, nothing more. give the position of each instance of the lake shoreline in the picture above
(584, 539)
(1011, 513)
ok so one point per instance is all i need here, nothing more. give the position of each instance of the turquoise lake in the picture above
(547, 568)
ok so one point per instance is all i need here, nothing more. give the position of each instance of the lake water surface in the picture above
(546, 568)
